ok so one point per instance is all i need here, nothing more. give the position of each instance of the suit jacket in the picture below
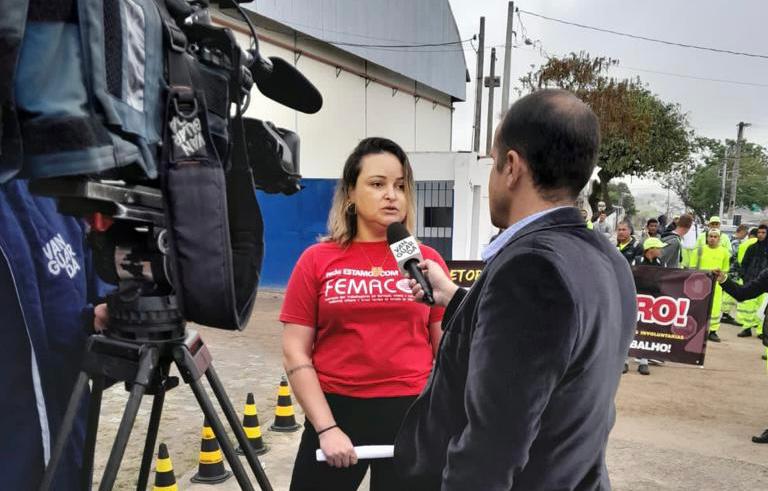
(522, 392)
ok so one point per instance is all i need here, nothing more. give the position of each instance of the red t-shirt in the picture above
(372, 338)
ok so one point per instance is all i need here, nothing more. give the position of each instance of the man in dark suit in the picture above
(522, 391)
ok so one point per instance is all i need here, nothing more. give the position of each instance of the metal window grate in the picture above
(434, 215)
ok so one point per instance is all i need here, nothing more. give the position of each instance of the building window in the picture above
(434, 215)
(438, 216)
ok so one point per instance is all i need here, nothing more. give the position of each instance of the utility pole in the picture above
(479, 86)
(725, 173)
(491, 82)
(507, 58)
(735, 172)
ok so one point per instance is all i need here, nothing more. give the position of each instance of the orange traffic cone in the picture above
(211, 468)
(251, 427)
(285, 420)
(164, 478)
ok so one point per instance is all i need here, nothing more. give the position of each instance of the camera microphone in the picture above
(283, 83)
(406, 250)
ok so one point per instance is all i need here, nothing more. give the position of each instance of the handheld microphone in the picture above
(408, 256)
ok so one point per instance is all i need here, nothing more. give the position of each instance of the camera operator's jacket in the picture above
(45, 284)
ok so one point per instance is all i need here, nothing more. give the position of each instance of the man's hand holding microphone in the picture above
(443, 288)
(428, 281)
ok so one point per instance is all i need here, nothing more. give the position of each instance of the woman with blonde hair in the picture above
(356, 347)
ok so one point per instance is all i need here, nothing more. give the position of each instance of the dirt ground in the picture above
(682, 427)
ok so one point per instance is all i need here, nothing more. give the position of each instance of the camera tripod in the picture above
(147, 335)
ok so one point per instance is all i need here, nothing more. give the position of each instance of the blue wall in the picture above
(291, 224)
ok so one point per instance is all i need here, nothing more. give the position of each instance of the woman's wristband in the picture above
(326, 429)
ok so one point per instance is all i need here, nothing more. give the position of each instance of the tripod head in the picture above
(130, 250)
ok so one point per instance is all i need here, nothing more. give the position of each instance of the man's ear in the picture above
(514, 168)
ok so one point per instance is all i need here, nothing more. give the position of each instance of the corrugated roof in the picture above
(367, 27)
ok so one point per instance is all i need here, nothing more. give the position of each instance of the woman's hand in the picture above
(443, 288)
(338, 448)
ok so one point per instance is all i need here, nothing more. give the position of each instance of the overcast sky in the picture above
(714, 108)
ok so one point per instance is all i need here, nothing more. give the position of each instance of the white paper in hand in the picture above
(366, 452)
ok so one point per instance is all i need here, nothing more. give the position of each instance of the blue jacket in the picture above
(46, 284)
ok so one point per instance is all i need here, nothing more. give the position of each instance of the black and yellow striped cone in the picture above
(252, 428)
(285, 420)
(211, 468)
(164, 478)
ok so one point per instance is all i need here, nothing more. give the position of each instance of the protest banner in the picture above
(673, 307)
(465, 273)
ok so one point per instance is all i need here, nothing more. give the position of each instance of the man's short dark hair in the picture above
(762, 226)
(557, 135)
(628, 224)
(753, 232)
(684, 221)
(650, 221)
(742, 228)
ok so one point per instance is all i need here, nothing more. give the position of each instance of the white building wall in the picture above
(433, 122)
(354, 107)
(328, 136)
(472, 228)
(391, 115)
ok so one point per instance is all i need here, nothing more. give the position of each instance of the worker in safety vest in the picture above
(728, 301)
(725, 242)
(707, 258)
(585, 214)
(754, 259)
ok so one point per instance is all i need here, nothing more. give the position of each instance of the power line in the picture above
(645, 38)
(693, 77)
(542, 53)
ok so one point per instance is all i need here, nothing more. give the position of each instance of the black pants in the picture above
(366, 422)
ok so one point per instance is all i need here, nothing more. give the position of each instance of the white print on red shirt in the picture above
(357, 285)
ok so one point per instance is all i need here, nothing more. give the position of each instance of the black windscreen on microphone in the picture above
(286, 85)
(396, 232)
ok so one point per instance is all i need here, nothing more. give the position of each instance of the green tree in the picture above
(641, 134)
(619, 193)
(698, 180)
(679, 177)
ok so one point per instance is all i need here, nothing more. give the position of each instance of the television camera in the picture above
(176, 228)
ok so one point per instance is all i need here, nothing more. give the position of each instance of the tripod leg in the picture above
(149, 446)
(64, 431)
(242, 439)
(147, 366)
(94, 408)
(221, 435)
